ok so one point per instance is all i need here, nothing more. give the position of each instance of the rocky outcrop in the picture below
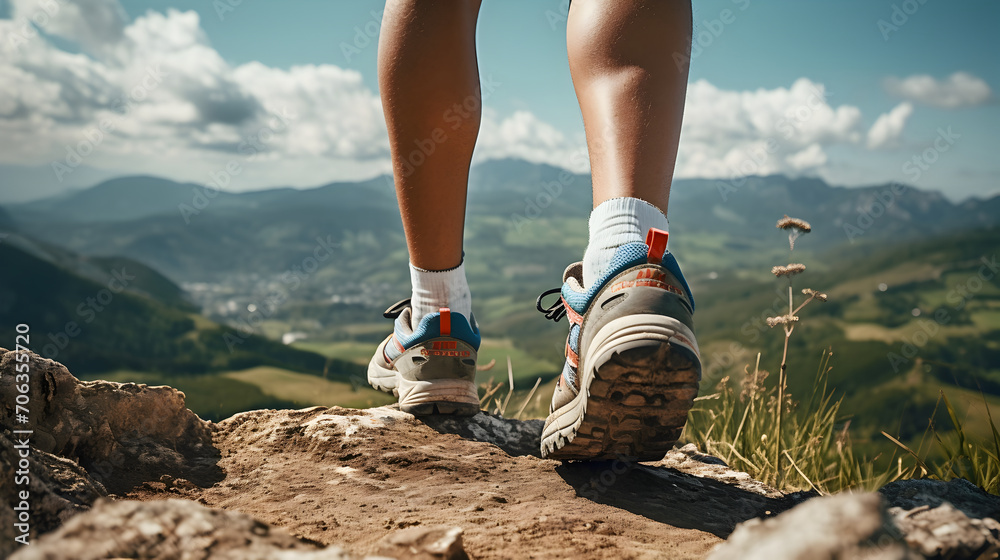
(946, 532)
(966, 496)
(425, 543)
(863, 526)
(357, 476)
(300, 483)
(841, 526)
(171, 529)
(122, 433)
(57, 490)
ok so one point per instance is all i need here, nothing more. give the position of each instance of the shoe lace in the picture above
(555, 311)
(396, 309)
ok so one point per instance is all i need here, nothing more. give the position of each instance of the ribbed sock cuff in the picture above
(434, 289)
(614, 223)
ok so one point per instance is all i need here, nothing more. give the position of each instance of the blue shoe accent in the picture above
(626, 256)
(430, 328)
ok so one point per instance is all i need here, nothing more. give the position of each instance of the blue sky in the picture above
(886, 91)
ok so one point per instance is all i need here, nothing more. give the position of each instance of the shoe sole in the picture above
(456, 397)
(640, 381)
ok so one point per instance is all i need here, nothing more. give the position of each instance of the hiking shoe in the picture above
(632, 363)
(432, 369)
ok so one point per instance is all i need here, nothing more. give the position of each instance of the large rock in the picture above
(389, 483)
(964, 495)
(356, 476)
(828, 528)
(171, 529)
(57, 489)
(122, 433)
(515, 437)
(425, 543)
(861, 526)
(377, 478)
(945, 532)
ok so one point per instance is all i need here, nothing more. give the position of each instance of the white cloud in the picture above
(961, 89)
(175, 105)
(523, 135)
(92, 24)
(180, 110)
(811, 157)
(734, 133)
(888, 127)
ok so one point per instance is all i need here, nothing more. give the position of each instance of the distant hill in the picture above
(116, 200)
(905, 321)
(6, 221)
(142, 280)
(96, 326)
(526, 222)
(510, 202)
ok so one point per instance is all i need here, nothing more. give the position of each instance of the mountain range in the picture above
(191, 233)
(222, 263)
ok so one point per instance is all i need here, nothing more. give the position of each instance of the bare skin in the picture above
(630, 90)
(429, 80)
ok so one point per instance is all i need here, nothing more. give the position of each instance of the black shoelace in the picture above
(396, 309)
(555, 311)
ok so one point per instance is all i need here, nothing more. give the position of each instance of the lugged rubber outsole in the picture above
(637, 405)
(424, 398)
(440, 396)
(634, 403)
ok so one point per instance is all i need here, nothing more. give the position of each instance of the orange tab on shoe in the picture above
(445, 321)
(656, 239)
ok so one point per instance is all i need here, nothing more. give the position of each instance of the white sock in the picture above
(614, 223)
(434, 289)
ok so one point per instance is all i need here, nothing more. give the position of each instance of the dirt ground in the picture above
(352, 477)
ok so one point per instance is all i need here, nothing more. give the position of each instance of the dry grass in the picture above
(491, 401)
(806, 445)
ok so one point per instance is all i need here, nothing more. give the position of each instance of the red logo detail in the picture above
(444, 348)
(652, 274)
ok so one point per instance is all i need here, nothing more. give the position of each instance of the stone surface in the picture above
(58, 489)
(969, 498)
(425, 543)
(337, 475)
(391, 484)
(122, 433)
(171, 529)
(831, 527)
(515, 437)
(946, 533)
(861, 526)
